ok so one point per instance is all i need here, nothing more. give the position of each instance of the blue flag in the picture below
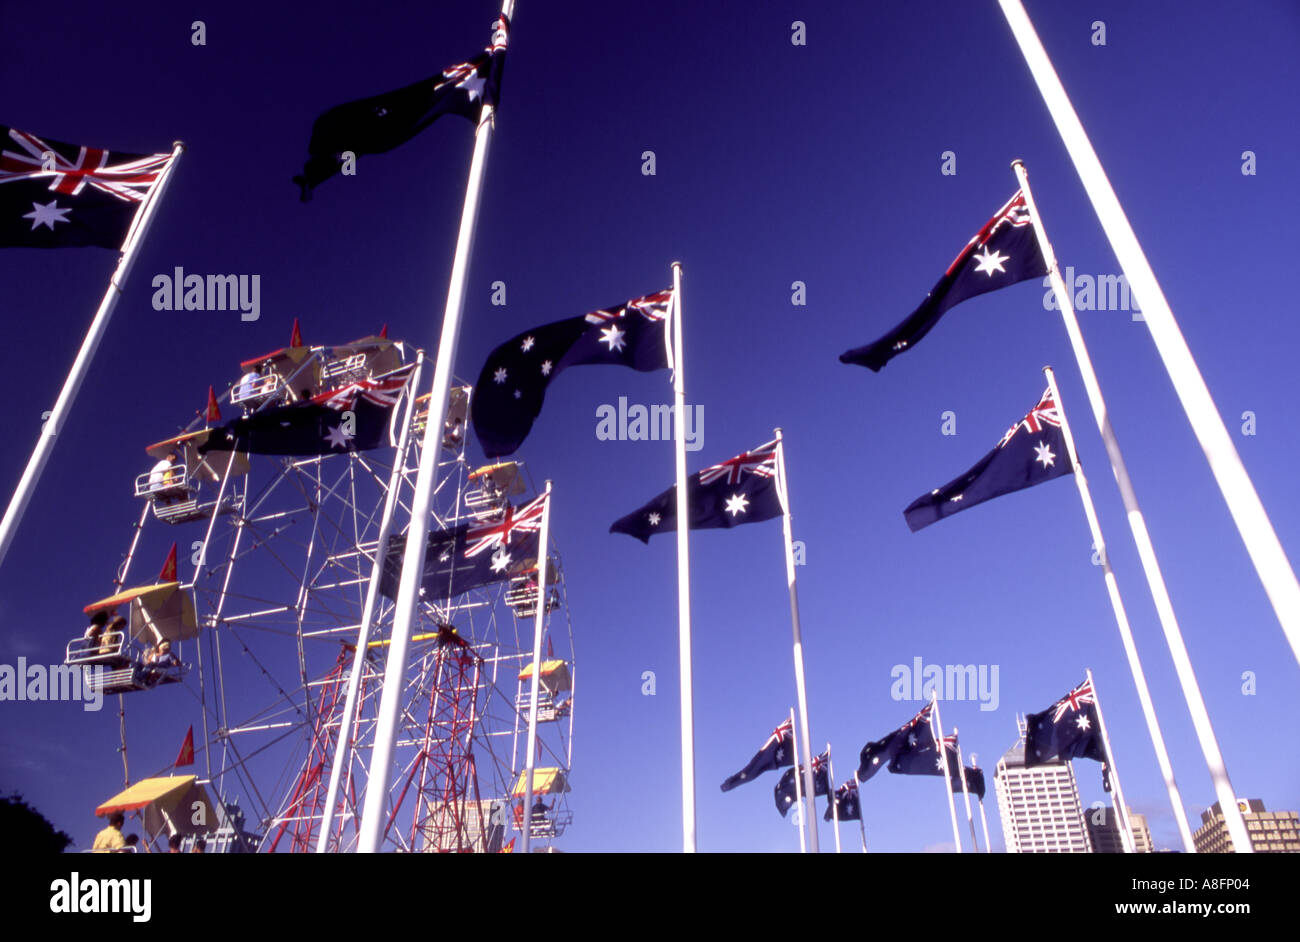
(785, 788)
(1068, 729)
(776, 753)
(882, 752)
(847, 805)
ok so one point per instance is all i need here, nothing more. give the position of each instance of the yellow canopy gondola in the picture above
(548, 781)
(299, 367)
(503, 476)
(176, 803)
(211, 466)
(382, 355)
(160, 611)
(554, 679)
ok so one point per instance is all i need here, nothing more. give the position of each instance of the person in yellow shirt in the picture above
(110, 839)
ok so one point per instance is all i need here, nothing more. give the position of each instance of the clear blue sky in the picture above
(775, 163)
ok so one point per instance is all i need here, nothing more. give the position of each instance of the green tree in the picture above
(26, 829)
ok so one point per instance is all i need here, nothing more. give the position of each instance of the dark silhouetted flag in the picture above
(352, 418)
(881, 753)
(785, 791)
(472, 555)
(739, 490)
(776, 753)
(1031, 452)
(918, 755)
(380, 123)
(1105, 777)
(1068, 729)
(55, 195)
(1002, 253)
(974, 779)
(512, 384)
(847, 806)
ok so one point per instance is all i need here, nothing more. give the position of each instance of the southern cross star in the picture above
(653, 519)
(47, 214)
(499, 376)
(737, 504)
(546, 367)
(527, 344)
(991, 263)
(1044, 455)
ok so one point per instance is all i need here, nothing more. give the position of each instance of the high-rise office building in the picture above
(1039, 807)
(1271, 832)
(1103, 832)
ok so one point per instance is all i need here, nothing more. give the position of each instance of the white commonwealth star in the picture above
(991, 263)
(47, 214)
(737, 504)
(612, 336)
(338, 437)
(500, 559)
(474, 86)
(1044, 455)
(527, 344)
(499, 376)
(653, 519)
(1083, 721)
(546, 367)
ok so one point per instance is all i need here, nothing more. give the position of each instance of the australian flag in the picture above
(919, 755)
(785, 792)
(847, 806)
(380, 123)
(1068, 729)
(740, 490)
(776, 753)
(1031, 452)
(1003, 252)
(55, 195)
(882, 752)
(351, 418)
(512, 384)
(974, 779)
(472, 555)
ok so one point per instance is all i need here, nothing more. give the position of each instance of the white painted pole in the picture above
(798, 790)
(800, 682)
(405, 613)
(683, 572)
(1117, 603)
(343, 745)
(81, 365)
(530, 761)
(1271, 563)
(1146, 553)
(965, 791)
(988, 845)
(862, 827)
(936, 724)
(830, 793)
(1117, 793)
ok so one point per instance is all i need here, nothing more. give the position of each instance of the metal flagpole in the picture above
(965, 791)
(1112, 588)
(988, 846)
(683, 573)
(1271, 563)
(81, 365)
(543, 549)
(947, 776)
(798, 790)
(862, 828)
(1146, 553)
(343, 747)
(404, 610)
(830, 791)
(801, 687)
(1117, 796)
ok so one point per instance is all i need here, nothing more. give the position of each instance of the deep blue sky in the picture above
(775, 163)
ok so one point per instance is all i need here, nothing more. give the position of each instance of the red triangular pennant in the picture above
(186, 755)
(214, 411)
(295, 339)
(384, 332)
(168, 573)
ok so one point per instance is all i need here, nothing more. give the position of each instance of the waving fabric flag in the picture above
(847, 806)
(1031, 452)
(55, 195)
(1004, 252)
(1068, 729)
(186, 755)
(739, 490)
(512, 384)
(776, 753)
(882, 753)
(380, 123)
(785, 793)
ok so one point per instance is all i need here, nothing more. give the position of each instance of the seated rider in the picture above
(165, 479)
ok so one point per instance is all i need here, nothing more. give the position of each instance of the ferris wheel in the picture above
(282, 510)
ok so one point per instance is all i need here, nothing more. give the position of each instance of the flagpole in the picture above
(81, 365)
(965, 791)
(1150, 565)
(531, 760)
(1117, 795)
(947, 776)
(798, 789)
(800, 683)
(862, 828)
(984, 821)
(683, 573)
(830, 791)
(343, 746)
(405, 612)
(1271, 563)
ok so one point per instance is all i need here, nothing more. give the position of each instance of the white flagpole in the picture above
(830, 791)
(1150, 565)
(1271, 563)
(81, 365)
(798, 790)
(984, 821)
(683, 573)
(965, 791)
(542, 555)
(935, 723)
(405, 612)
(1117, 793)
(862, 828)
(800, 683)
(343, 745)
(1112, 588)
